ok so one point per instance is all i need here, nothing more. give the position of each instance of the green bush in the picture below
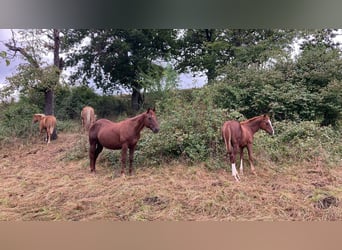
(16, 119)
(294, 143)
(189, 131)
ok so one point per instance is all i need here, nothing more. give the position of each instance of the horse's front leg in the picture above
(250, 157)
(41, 134)
(131, 155)
(123, 159)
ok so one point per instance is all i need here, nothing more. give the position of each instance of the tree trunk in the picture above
(137, 99)
(49, 102)
(49, 94)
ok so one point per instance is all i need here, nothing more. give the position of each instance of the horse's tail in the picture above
(88, 122)
(227, 141)
(51, 124)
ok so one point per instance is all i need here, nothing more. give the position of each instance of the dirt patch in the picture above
(38, 182)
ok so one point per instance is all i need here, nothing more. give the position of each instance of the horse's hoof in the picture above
(237, 178)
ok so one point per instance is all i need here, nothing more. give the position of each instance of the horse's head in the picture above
(267, 125)
(151, 120)
(37, 117)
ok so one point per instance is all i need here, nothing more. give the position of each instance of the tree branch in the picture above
(22, 51)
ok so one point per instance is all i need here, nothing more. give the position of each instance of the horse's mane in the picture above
(251, 119)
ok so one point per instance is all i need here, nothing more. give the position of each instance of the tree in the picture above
(35, 73)
(207, 50)
(318, 69)
(115, 58)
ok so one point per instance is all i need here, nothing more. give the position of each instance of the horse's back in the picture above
(50, 121)
(106, 133)
(232, 129)
(234, 126)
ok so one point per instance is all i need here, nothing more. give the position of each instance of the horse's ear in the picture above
(154, 109)
(267, 115)
(149, 109)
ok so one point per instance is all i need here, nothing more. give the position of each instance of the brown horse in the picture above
(238, 135)
(119, 135)
(46, 122)
(87, 117)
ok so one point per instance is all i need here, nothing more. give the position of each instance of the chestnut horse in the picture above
(119, 135)
(238, 135)
(87, 117)
(46, 122)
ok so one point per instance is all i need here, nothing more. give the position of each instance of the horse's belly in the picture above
(111, 143)
(109, 140)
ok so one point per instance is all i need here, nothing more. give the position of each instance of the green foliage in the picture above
(70, 101)
(331, 103)
(208, 50)
(193, 135)
(279, 91)
(115, 58)
(186, 133)
(295, 143)
(16, 119)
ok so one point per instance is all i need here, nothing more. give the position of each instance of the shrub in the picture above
(295, 143)
(189, 131)
(16, 119)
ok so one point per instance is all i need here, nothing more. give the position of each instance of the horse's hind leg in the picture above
(94, 150)
(232, 156)
(241, 161)
(47, 136)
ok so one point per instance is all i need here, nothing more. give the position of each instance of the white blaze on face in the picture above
(271, 126)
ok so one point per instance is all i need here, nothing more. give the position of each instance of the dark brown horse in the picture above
(238, 135)
(119, 135)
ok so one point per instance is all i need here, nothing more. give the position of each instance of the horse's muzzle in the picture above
(155, 130)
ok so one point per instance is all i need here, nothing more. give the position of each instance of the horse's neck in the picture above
(138, 123)
(253, 125)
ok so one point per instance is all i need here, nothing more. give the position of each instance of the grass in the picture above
(53, 183)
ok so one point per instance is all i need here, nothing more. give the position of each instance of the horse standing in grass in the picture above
(238, 135)
(46, 122)
(87, 117)
(122, 135)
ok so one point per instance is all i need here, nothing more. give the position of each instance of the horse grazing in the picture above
(87, 117)
(238, 135)
(119, 135)
(47, 122)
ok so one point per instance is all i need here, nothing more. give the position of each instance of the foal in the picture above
(47, 122)
(122, 135)
(238, 135)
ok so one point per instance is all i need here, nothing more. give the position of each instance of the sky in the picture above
(5, 35)
(185, 80)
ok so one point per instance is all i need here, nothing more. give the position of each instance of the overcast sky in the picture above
(5, 71)
(185, 80)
